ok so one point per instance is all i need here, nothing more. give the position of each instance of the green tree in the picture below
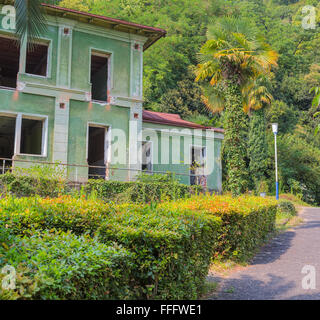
(233, 57)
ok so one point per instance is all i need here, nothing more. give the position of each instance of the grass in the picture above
(225, 267)
(298, 203)
(210, 288)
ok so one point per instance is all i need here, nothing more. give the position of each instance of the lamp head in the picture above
(275, 128)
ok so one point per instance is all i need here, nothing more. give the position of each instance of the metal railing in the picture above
(77, 173)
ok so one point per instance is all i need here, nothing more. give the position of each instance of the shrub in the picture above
(139, 192)
(286, 208)
(172, 251)
(246, 221)
(64, 266)
(171, 243)
(28, 183)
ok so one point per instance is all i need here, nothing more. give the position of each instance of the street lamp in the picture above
(275, 131)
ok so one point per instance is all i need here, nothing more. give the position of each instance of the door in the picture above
(97, 151)
(197, 170)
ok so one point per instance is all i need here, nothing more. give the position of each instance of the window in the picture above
(9, 62)
(37, 59)
(7, 136)
(197, 170)
(147, 156)
(22, 134)
(31, 136)
(99, 76)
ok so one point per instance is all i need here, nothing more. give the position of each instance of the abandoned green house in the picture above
(75, 99)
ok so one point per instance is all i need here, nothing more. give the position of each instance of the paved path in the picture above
(276, 272)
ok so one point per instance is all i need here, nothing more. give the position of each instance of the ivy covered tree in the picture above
(233, 58)
(258, 148)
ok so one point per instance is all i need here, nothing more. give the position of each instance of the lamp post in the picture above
(275, 132)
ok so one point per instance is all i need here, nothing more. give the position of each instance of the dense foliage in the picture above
(49, 183)
(71, 248)
(169, 65)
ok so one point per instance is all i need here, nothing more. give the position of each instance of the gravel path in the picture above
(276, 272)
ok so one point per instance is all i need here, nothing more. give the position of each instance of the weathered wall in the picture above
(171, 151)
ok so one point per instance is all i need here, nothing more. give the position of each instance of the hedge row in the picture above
(140, 192)
(58, 265)
(29, 185)
(171, 252)
(169, 246)
(246, 221)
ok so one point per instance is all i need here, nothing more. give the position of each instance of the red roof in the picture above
(172, 119)
(152, 33)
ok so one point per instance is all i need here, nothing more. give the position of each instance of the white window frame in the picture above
(107, 140)
(17, 138)
(106, 54)
(44, 140)
(47, 42)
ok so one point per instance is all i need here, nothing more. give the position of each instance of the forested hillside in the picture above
(169, 78)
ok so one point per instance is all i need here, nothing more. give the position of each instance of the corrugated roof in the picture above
(173, 120)
(153, 34)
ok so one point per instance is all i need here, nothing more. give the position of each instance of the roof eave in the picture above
(158, 33)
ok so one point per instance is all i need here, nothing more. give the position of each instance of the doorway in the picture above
(197, 169)
(97, 151)
(7, 140)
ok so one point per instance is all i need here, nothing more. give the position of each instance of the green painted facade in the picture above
(62, 99)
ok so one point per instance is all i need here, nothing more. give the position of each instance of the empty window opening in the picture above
(96, 152)
(147, 156)
(37, 59)
(31, 136)
(9, 62)
(197, 170)
(99, 77)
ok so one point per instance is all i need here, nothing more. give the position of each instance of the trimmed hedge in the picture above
(138, 191)
(246, 221)
(171, 252)
(29, 185)
(57, 265)
(145, 191)
(171, 244)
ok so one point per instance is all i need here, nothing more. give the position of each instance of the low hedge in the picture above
(57, 265)
(171, 243)
(138, 191)
(171, 252)
(247, 221)
(28, 185)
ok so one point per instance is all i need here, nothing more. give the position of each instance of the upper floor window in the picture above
(37, 59)
(99, 76)
(9, 62)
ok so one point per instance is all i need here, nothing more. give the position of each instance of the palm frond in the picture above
(30, 20)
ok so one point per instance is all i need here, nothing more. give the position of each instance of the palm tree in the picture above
(30, 20)
(233, 59)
